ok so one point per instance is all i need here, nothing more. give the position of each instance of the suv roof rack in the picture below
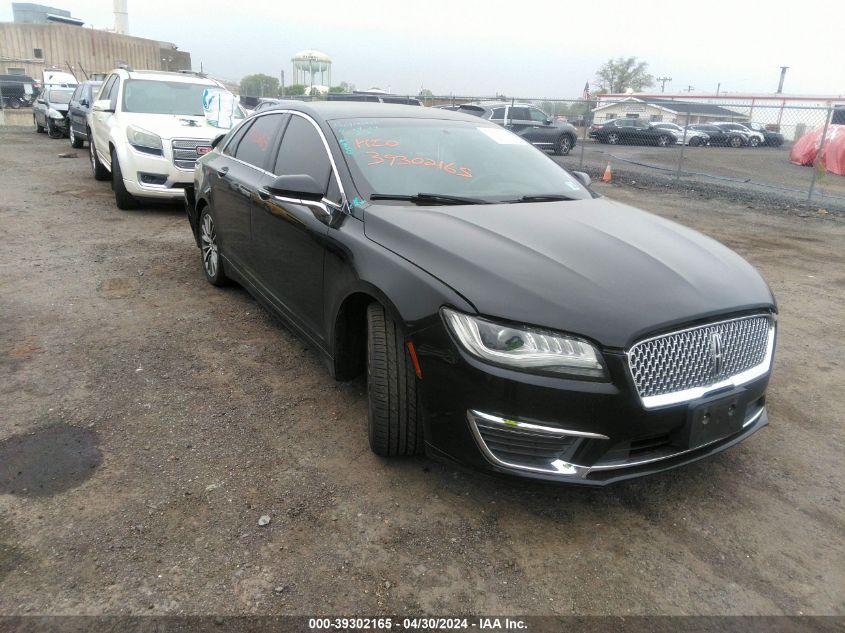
(196, 73)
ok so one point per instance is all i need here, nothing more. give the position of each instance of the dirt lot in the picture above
(147, 421)
(766, 171)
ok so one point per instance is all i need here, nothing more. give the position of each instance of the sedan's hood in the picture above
(594, 267)
(169, 126)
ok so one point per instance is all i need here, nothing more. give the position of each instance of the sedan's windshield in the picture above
(163, 97)
(407, 157)
(59, 96)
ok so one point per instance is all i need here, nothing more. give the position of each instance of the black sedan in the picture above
(722, 136)
(504, 314)
(632, 132)
(78, 109)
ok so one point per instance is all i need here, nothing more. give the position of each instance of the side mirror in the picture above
(548, 121)
(217, 140)
(300, 186)
(583, 178)
(102, 105)
(83, 103)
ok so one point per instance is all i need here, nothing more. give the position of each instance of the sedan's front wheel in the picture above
(612, 138)
(563, 145)
(665, 141)
(395, 425)
(212, 265)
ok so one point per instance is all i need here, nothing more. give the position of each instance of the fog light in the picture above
(152, 179)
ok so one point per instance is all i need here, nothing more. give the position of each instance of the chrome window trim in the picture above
(687, 395)
(345, 201)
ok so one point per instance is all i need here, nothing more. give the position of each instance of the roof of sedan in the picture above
(329, 110)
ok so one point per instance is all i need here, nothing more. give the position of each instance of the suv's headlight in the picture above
(142, 139)
(527, 349)
(55, 114)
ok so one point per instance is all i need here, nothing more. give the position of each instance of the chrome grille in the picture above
(701, 356)
(185, 151)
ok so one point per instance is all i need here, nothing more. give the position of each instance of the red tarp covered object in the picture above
(805, 149)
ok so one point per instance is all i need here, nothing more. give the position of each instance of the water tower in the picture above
(312, 68)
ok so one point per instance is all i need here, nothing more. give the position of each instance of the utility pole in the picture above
(783, 70)
(690, 88)
(718, 88)
(663, 81)
(282, 85)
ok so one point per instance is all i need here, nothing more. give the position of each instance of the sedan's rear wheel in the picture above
(736, 141)
(664, 141)
(613, 138)
(212, 264)
(394, 420)
(754, 141)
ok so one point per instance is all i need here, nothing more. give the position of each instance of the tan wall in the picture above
(95, 51)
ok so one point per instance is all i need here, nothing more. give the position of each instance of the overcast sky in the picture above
(540, 48)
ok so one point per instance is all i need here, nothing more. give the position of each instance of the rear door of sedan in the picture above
(288, 235)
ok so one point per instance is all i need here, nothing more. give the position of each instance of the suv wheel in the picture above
(736, 141)
(563, 145)
(74, 140)
(394, 424)
(122, 198)
(100, 172)
(212, 264)
(695, 141)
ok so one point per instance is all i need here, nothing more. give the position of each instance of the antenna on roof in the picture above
(125, 66)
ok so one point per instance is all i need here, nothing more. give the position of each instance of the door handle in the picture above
(264, 194)
(222, 172)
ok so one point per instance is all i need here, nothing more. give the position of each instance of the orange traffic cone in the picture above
(608, 174)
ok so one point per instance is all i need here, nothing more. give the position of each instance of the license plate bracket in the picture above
(715, 418)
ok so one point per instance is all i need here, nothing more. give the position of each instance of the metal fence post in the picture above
(818, 157)
(683, 145)
(588, 117)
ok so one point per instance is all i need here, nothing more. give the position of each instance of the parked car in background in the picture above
(146, 130)
(371, 97)
(503, 314)
(78, 109)
(264, 103)
(529, 122)
(17, 91)
(50, 111)
(632, 132)
(771, 139)
(754, 138)
(721, 137)
(58, 78)
(684, 136)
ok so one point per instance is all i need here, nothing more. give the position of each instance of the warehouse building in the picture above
(669, 110)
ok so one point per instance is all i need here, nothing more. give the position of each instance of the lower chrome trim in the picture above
(528, 426)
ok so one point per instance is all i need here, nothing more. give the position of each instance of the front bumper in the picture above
(558, 429)
(166, 180)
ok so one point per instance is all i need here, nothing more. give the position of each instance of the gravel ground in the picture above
(149, 420)
(759, 173)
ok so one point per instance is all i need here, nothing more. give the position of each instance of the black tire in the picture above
(212, 260)
(53, 131)
(75, 141)
(612, 138)
(122, 198)
(754, 141)
(563, 145)
(99, 170)
(14, 103)
(665, 141)
(394, 425)
(39, 129)
(736, 142)
(694, 141)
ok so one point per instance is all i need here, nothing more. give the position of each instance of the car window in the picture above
(302, 152)
(538, 115)
(232, 144)
(77, 94)
(112, 96)
(254, 147)
(397, 156)
(498, 113)
(518, 114)
(104, 89)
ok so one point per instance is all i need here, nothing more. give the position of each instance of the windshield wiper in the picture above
(429, 198)
(545, 197)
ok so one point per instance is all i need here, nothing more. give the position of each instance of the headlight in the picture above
(143, 139)
(526, 349)
(55, 114)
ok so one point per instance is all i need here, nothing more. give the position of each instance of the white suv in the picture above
(146, 130)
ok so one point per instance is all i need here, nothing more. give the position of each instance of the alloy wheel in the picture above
(613, 139)
(210, 254)
(71, 135)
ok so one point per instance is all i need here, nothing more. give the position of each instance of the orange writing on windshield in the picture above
(375, 142)
(399, 160)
